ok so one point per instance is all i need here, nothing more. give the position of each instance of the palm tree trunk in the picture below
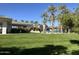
(61, 29)
(68, 30)
(52, 25)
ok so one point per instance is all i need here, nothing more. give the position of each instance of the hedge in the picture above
(14, 30)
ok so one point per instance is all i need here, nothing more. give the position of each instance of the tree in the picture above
(31, 21)
(36, 22)
(22, 20)
(15, 20)
(26, 21)
(60, 18)
(52, 10)
(45, 19)
(75, 17)
(65, 18)
(77, 11)
(61, 8)
(76, 21)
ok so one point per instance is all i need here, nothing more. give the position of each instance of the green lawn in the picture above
(39, 44)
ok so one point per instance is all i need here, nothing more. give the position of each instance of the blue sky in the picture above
(28, 11)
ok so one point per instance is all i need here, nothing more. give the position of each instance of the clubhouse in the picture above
(6, 24)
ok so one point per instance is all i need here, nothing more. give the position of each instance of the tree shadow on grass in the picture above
(75, 42)
(8, 51)
(75, 52)
(47, 50)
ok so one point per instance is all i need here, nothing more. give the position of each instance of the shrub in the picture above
(15, 30)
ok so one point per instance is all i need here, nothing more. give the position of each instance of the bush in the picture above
(15, 30)
(75, 29)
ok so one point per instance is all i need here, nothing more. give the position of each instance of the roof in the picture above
(5, 18)
(20, 23)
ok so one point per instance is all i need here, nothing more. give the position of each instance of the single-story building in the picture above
(5, 24)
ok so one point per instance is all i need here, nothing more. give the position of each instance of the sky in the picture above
(29, 11)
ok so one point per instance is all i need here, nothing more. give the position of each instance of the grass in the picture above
(39, 44)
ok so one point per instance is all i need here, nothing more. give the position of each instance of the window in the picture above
(0, 25)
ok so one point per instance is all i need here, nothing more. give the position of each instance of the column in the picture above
(4, 28)
(44, 29)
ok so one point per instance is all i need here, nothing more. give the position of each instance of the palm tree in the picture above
(31, 22)
(26, 21)
(45, 18)
(22, 20)
(65, 18)
(60, 18)
(62, 9)
(36, 22)
(52, 10)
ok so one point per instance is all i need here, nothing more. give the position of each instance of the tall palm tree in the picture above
(45, 18)
(60, 18)
(52, 10)
(65, 18)
(62, 9)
